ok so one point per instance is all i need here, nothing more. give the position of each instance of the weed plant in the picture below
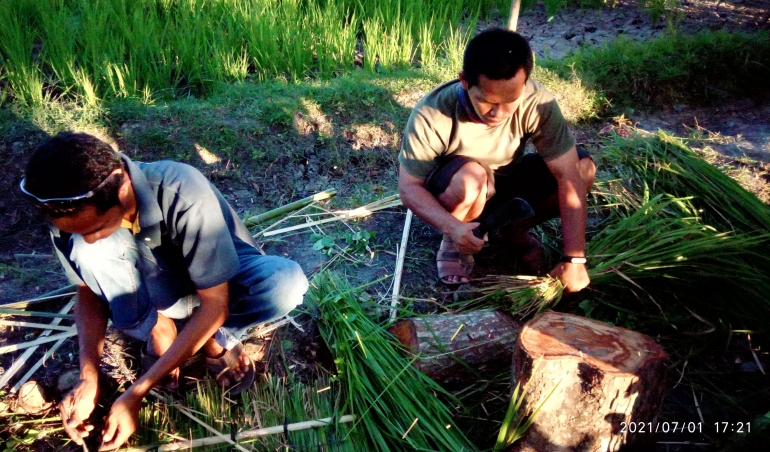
(699, 69)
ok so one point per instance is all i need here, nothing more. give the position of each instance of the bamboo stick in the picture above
(11, 371)
(220, 437)
(400, 264)
(343, 215)
(37, 365)
(35, 313)
(35, 325)
(38, 341)
(58, 293)
(256, 219)
(513, 20)
(248, 434)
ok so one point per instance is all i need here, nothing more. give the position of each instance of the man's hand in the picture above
(121, 422)
(574, 277)
(463, 238)
(77, 407)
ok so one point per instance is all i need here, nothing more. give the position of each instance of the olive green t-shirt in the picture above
(440, 127)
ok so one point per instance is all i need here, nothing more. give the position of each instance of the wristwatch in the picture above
(574, 260)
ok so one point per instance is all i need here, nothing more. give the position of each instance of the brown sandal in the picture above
(450, 262)
(229, 361)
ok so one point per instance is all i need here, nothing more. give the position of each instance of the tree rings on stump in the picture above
(606, 378)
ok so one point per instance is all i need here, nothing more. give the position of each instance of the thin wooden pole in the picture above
(59, 293)
(256, 219)
(35, 313)
(38, 341)
(248, 434)
(11, 371)
(42, 326)
(513, 20)
(340, 216)
(400, 265)
(37, 365)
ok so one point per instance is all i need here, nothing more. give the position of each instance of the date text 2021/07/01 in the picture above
(683, 427)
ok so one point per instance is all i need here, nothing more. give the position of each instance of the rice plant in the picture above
(399, 408)
(273, 402)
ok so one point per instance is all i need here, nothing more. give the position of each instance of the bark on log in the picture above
(459, 348)
(608, 378)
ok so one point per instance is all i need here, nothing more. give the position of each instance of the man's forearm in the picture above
(427, 208)
(202, 325)
(91, 316)
(572, 206)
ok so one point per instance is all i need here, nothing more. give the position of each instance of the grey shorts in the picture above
(529, 179)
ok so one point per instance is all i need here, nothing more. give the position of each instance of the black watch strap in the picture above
(574, 259)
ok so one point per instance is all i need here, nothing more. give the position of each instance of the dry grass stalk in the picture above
(340, 215)
(60, 293)
(38, 341)
(42, 326)
(523, 295)
(248, 434)
(400, 265)
(11, 371)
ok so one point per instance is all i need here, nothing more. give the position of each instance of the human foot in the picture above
(161, 337)
(148, 359)
(232, 368)
(454, 268)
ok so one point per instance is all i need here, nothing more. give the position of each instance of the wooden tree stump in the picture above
(461, 347)
(607, 378)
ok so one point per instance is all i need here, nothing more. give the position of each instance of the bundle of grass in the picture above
(398, 407)
(275, 402)
(663, 164)
(676, 269)
(520, 295)
(680, 243)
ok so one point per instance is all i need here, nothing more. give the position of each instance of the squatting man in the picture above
(147, 243)
(463, 157)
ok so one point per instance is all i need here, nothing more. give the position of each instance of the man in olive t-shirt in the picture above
(463, 156)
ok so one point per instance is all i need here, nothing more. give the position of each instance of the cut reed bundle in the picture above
(663, 164)
(521, 295)
(380, 384)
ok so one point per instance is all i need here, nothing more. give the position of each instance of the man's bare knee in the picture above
(465, 187)
(588, 173)
(164, 328)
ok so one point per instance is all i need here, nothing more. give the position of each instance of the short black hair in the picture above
(498, 54)
(71, 164)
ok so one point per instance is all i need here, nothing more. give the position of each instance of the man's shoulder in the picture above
(440, 101)
(173, 175)
(536, 90)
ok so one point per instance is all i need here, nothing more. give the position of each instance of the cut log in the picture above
(610, 382)
(459, 348)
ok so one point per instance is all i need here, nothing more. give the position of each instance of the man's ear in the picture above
(461, 76)
(125, 189)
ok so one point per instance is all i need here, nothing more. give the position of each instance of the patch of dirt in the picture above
(570, 28)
